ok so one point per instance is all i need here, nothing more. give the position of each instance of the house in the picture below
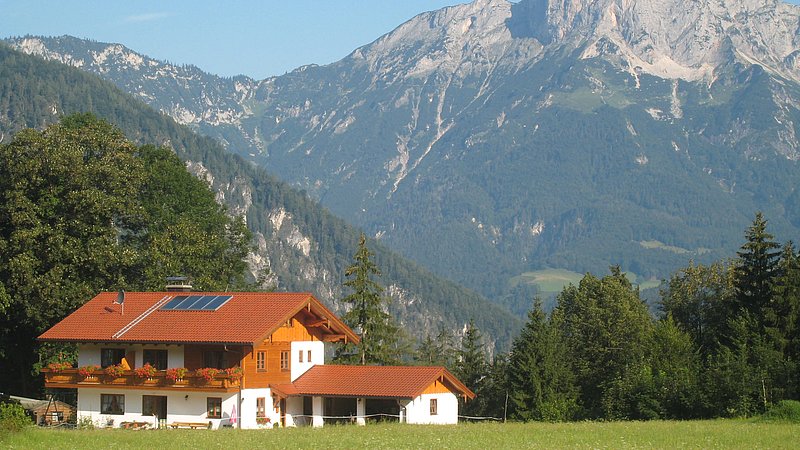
(247, 360)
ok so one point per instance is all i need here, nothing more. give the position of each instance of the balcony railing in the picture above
(70, 378)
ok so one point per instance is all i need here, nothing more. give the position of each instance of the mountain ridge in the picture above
(305, 247)
(445, 138)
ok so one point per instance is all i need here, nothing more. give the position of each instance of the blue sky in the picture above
(255, 38)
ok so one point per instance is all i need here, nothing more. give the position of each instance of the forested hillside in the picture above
(725, 344)
(304, 247)
(493, 139)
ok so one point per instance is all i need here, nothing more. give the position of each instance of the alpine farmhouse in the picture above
(232, 359)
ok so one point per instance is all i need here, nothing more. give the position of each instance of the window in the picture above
(214, 407)
(261, 407)
(156, 358)
(300, 356)
(214, 359)
(261, 361)
(284, 360)
(434, 407)
(112, 404)
(111, 356)
(309, 356)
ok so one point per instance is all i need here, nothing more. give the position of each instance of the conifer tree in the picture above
(425, 353)
(540, 381)
(472, 367)
(784, 316)
(379, 335)
(757, 268)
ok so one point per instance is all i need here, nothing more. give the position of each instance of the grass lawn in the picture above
(549, 280)
(726, 434)
(553, 281)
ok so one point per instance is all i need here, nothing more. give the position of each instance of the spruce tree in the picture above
(472, 368)
(540, 381)
(756, 268)
(379, 335)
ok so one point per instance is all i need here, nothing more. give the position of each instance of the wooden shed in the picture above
(47, 412)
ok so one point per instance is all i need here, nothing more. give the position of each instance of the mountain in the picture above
(491, 139)
(304, 246)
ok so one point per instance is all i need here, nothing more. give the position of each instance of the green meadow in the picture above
(553, 281)
(707, 434)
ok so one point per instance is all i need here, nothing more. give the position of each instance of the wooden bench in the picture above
(192, 425)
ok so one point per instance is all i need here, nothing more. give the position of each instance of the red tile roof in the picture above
(371, 381)
(245, 319)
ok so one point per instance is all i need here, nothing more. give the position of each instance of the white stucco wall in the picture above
(90, 353)
(181, 406)
(249, 407)
(317, 349)
(418, 410)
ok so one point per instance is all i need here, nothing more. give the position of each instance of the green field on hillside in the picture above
(553, 281)
(728, 434)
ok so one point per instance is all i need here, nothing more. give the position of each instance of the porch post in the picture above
(361, 408)
(317, 408)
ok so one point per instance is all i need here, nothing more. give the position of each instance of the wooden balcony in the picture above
(70, 378)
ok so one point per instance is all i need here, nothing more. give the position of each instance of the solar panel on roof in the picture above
(217, 302)
(174, 302)
(196, 302)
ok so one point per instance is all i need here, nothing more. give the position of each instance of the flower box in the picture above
(207, 373)
(88, 371)
(59, 366)
(146, 371)
(114, 371)
(234, 373)
(176, 374)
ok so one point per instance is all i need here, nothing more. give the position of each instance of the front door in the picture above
(154, 405)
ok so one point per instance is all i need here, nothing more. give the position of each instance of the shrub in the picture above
(86, 423)
(784, 411)
(13, 417)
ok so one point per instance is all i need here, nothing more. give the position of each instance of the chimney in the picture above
(178, 284)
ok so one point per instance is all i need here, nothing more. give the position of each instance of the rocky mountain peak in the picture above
(666, 38)
(489, 139)
(670, 38)
(460, 39)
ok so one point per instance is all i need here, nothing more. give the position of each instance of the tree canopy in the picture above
(83, 210)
